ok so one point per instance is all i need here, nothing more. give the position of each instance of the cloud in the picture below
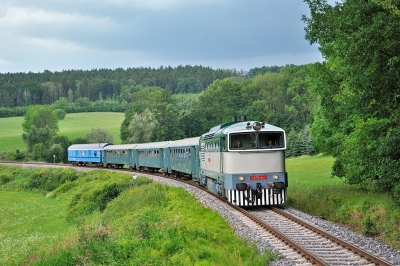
(84, 34)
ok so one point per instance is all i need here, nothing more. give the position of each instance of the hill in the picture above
(73, 126)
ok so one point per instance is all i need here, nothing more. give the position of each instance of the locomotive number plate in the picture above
(258, 177)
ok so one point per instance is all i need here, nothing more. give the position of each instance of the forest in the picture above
(346, 106)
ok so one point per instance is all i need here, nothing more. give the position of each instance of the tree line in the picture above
(24, 89)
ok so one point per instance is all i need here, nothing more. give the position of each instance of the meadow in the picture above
(73, 126)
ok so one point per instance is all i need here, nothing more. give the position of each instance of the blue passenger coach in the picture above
(82, 154)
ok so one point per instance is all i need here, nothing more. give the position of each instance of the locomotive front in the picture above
(244, 161)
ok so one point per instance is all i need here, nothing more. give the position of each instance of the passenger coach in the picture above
(182, 158)
(150, 156)
(82, 154)
(119, 155)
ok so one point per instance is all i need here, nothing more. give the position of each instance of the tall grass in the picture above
(314, 191)
(73, 126)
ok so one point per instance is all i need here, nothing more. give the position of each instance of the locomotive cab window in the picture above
(259, 140)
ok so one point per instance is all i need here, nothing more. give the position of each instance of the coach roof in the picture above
(89, 146)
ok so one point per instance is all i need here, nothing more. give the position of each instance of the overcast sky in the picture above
(38, 35)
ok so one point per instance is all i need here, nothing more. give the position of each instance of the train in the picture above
(242, 161)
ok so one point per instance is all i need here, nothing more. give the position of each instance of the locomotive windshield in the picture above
(257, 140)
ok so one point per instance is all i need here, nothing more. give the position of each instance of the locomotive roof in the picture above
(239, 126)
(120, 147)
(184, 142)
(89, 146)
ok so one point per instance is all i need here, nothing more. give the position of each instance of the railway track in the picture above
(295, 239)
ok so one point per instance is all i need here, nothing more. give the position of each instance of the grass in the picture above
(29, 221)
(314, 191)
(73, 126)
(112, 220)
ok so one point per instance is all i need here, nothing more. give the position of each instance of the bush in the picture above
(16, 155)
(60, 113)
(95, 192)
(48, 179)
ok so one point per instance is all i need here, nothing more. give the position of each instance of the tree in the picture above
(39, 126)
(142, 126)
(216, 105)
(359, 88)
(64, 143)
(62, 104)
(99, 135)
(60, 113)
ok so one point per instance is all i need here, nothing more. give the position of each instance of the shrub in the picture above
(60, 113)
(48, 179)
(95, 192)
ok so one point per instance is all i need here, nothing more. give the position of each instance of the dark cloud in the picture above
(90, 34)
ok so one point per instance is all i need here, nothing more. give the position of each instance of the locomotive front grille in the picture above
(245, 198)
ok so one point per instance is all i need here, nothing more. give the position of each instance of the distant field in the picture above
(73, 126)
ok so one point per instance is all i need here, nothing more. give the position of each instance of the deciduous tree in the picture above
(359, 87)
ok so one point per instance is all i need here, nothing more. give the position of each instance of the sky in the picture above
(55, 35)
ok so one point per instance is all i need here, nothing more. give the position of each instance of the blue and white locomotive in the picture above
(243, 161)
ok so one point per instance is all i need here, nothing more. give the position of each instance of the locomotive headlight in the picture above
(257, 126)
(241, 178)
(276, 177)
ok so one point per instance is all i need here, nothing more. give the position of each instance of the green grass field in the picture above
(73, 126)
(29, 221)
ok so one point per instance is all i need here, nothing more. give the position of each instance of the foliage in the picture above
(64, 143)
(74, 90)
(39, 126)
(36, 179)
(96, 190)
(16, 155)
(358, 86)
(142, 127)
(162, 106)
(40, 116)
(99, 135)
(60, 113)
